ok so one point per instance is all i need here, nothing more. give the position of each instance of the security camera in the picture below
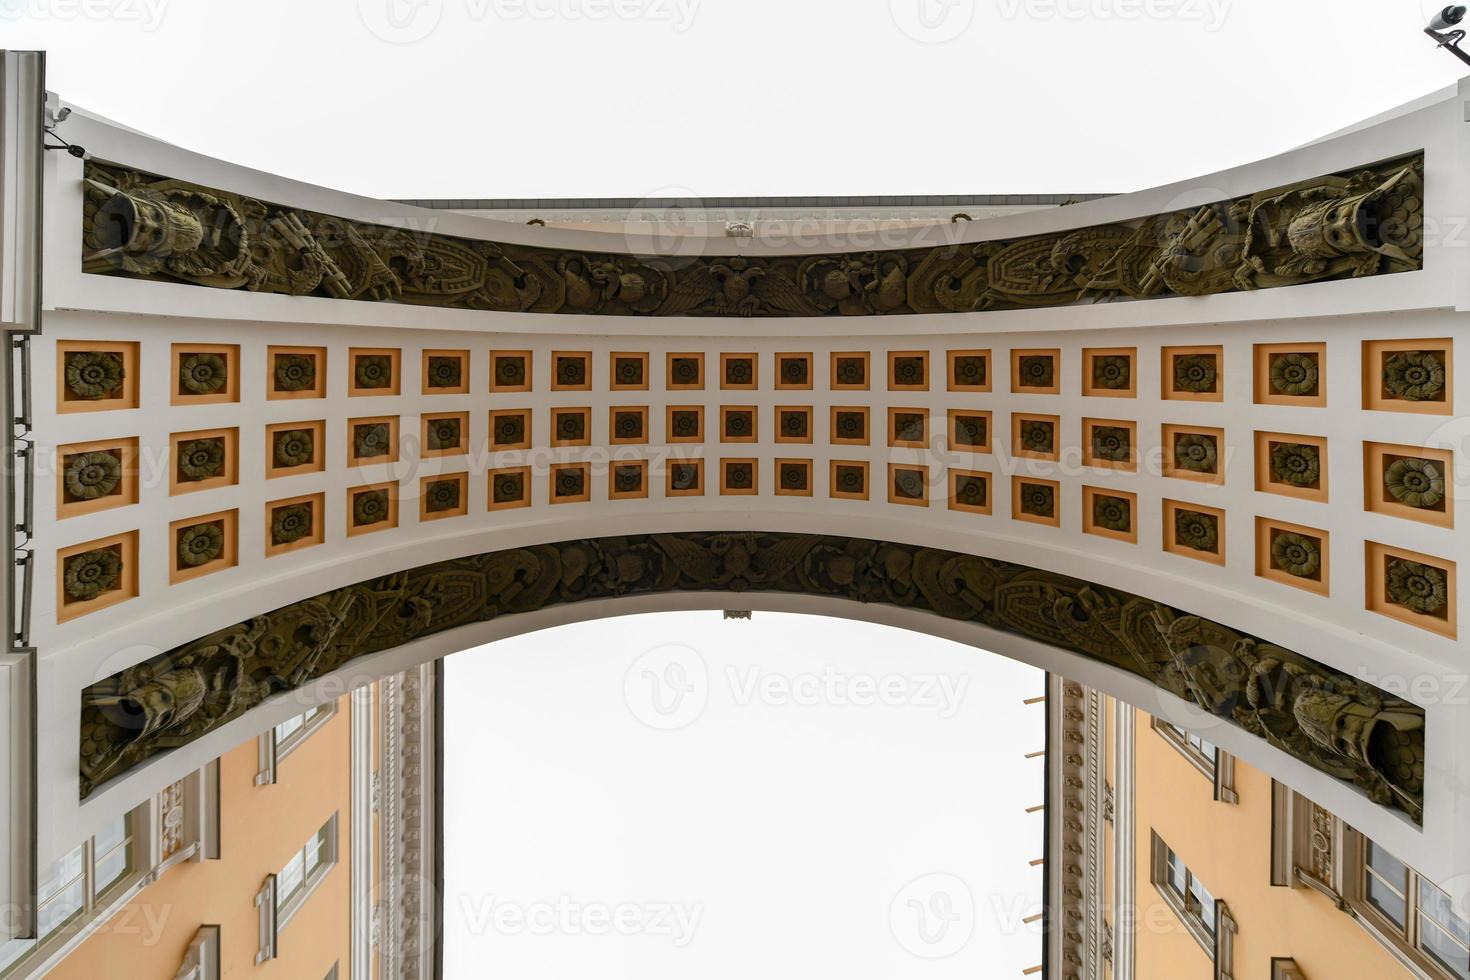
(1446, 34)
(1447, 18)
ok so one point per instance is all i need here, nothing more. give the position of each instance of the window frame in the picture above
(288, 903)
(202, 958)
(1405, 941)
(1338, 868)
(199, 798)
(1218, 941)
(97, 905)
(273, 749)
(1218, 767)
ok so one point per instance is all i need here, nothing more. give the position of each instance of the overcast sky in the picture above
(677, 796)
(636, 98)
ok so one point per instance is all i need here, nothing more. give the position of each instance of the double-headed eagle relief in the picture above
(1333, 722)
(1364, 223)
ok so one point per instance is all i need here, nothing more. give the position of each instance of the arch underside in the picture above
(1338, 725)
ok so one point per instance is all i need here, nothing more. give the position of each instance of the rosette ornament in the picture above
(1294, 374)
(201, 459)
(1111, 372)
(1415, 482)
(1195, 373)
(1296, 463)
(93, 375)
(1415, 375)
(90, 476)
(1297, 555)
(291, 523)
(1193, 529)
(1038, 500)
(1196, 452)
(91, 573)
(295, 372)
(370, 507)
(203, 374)
(1417, 586)
(441, 495)
(201, 544)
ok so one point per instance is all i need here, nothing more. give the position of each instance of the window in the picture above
(201, 959)
(1207, 918)
(77, 886)
(1186, 894)
(306, 869)
(286, 737)
(1412, 917)
(1409, 911)
(302, 725)
(1217, 765)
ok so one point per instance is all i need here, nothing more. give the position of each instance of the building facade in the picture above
(305, 851)
(1174, 859)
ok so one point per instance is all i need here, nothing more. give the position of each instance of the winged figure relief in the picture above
(737, 286)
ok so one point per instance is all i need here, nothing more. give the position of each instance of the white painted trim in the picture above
(1125, 861)
(202, 959)
(22, 107)
(1055, 902)
(17, 854)
(266, 925)
(360, 844)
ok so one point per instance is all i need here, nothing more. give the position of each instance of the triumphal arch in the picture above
(1197, 444)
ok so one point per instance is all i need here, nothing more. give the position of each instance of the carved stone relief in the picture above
(1337, 724)
(1363, 223)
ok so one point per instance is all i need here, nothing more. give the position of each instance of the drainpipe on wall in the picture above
(23, 109)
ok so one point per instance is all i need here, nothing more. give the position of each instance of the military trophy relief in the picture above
(1364, 223)
(1332, 722)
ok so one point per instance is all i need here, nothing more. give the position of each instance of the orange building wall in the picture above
(1229, 848)
(261, 827)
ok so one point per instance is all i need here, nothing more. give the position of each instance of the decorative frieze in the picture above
(1323, 718)
(1348, 225)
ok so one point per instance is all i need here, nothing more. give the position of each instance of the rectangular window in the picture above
(1204, 755)
(285, 738)
(1410, 912)
(76, 886)
(305, 871)
(1185, 894)
(1404, 911)
(294, 731)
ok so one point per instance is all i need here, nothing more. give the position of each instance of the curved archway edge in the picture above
(1343, 728)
